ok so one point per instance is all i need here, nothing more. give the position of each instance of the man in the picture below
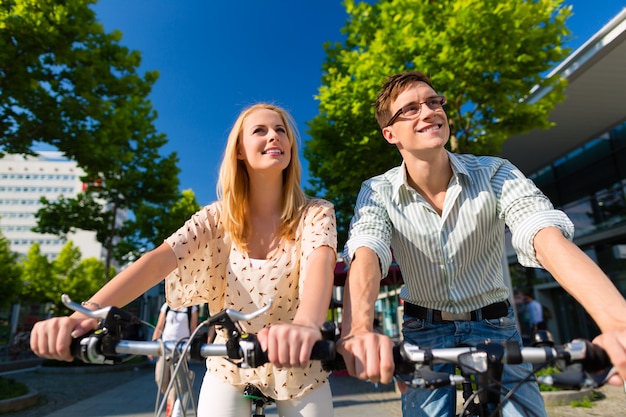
(444, 216)
(523, 317)
(535, 314)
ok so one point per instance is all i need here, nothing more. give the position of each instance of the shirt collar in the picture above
(399, 180)
(458, 167)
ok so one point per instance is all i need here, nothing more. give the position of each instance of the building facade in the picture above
(580, 164)
(23, 181)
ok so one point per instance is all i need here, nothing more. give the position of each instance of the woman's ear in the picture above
(239, 153)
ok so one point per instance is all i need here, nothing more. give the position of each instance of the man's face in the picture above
(428, 130)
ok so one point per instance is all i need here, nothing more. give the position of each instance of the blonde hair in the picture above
(233, 185)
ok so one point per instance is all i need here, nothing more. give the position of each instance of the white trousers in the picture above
(221, 399)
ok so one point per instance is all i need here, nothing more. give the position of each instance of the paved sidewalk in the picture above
(351, 398)
(131, 393)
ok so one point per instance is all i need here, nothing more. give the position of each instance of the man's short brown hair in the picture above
(392, 88)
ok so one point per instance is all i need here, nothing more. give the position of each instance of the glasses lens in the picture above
(411, 110)
(435, 102)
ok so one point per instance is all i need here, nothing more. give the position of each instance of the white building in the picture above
(23, 180)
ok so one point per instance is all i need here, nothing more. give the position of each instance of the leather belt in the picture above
(490, 312)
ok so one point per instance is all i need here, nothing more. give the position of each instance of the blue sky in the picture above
(216, 57)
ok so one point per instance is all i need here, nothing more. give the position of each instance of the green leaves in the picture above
(66, 83)
(10, 274)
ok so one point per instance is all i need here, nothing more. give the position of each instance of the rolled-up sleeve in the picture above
(370, 227)
(526, 210)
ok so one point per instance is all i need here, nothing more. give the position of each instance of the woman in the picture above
(262, 239)
(173, 324)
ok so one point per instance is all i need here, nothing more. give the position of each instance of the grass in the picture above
(10, 388)
(549, 370)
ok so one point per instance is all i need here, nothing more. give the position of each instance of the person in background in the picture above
(263, 239)
(523, 318)
(444, 216)
(173, 324)
(535, 314)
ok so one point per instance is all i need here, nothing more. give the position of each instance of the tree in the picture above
(484, 55)
(10, 274)
(82, 280)
(39, 283)
(156, 222)
(67, 83)
(137, 181)
(45, 281)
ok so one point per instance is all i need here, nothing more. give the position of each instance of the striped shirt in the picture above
(453, 262)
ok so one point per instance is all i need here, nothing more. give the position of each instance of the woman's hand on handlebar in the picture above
(52, 338)
(368, 356)
(289, 345)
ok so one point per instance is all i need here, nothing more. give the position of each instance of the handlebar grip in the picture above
(401, 364)
(323, 350)
(79, 348)
(596, 358)
(21, 342)
(75, 347)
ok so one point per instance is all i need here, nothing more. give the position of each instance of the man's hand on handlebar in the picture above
(52, 338)
(289, 345)
(614, 343)
(368, 356)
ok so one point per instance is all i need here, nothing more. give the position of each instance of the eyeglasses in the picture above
(413, 110)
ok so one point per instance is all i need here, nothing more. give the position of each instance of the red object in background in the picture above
(394, 277)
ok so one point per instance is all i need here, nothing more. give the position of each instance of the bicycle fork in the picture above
(259, 400)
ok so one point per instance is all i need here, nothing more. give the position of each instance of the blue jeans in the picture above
(526, 401)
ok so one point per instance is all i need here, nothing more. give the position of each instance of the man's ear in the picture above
(389, 135)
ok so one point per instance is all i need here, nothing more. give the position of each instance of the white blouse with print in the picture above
(211, 269)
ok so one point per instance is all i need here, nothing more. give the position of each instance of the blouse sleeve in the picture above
(318, 227)
(200, 250)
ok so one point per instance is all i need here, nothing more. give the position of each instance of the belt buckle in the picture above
(448, 316)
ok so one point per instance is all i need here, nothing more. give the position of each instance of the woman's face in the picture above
(264, 142)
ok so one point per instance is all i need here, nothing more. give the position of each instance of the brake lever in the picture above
(99, 314)
(229, 319)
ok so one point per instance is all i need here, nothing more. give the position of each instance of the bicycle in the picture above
(582, 365)
(481, 366)
(106, 346)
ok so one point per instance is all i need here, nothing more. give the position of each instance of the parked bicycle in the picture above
(582, 364)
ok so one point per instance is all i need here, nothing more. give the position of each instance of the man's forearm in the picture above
(582, 278)
(361, 292)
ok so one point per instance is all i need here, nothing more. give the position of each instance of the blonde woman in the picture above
(262, 239)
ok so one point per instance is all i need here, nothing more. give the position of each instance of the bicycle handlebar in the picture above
(595, 365)
(105, 344)
(89, 349)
